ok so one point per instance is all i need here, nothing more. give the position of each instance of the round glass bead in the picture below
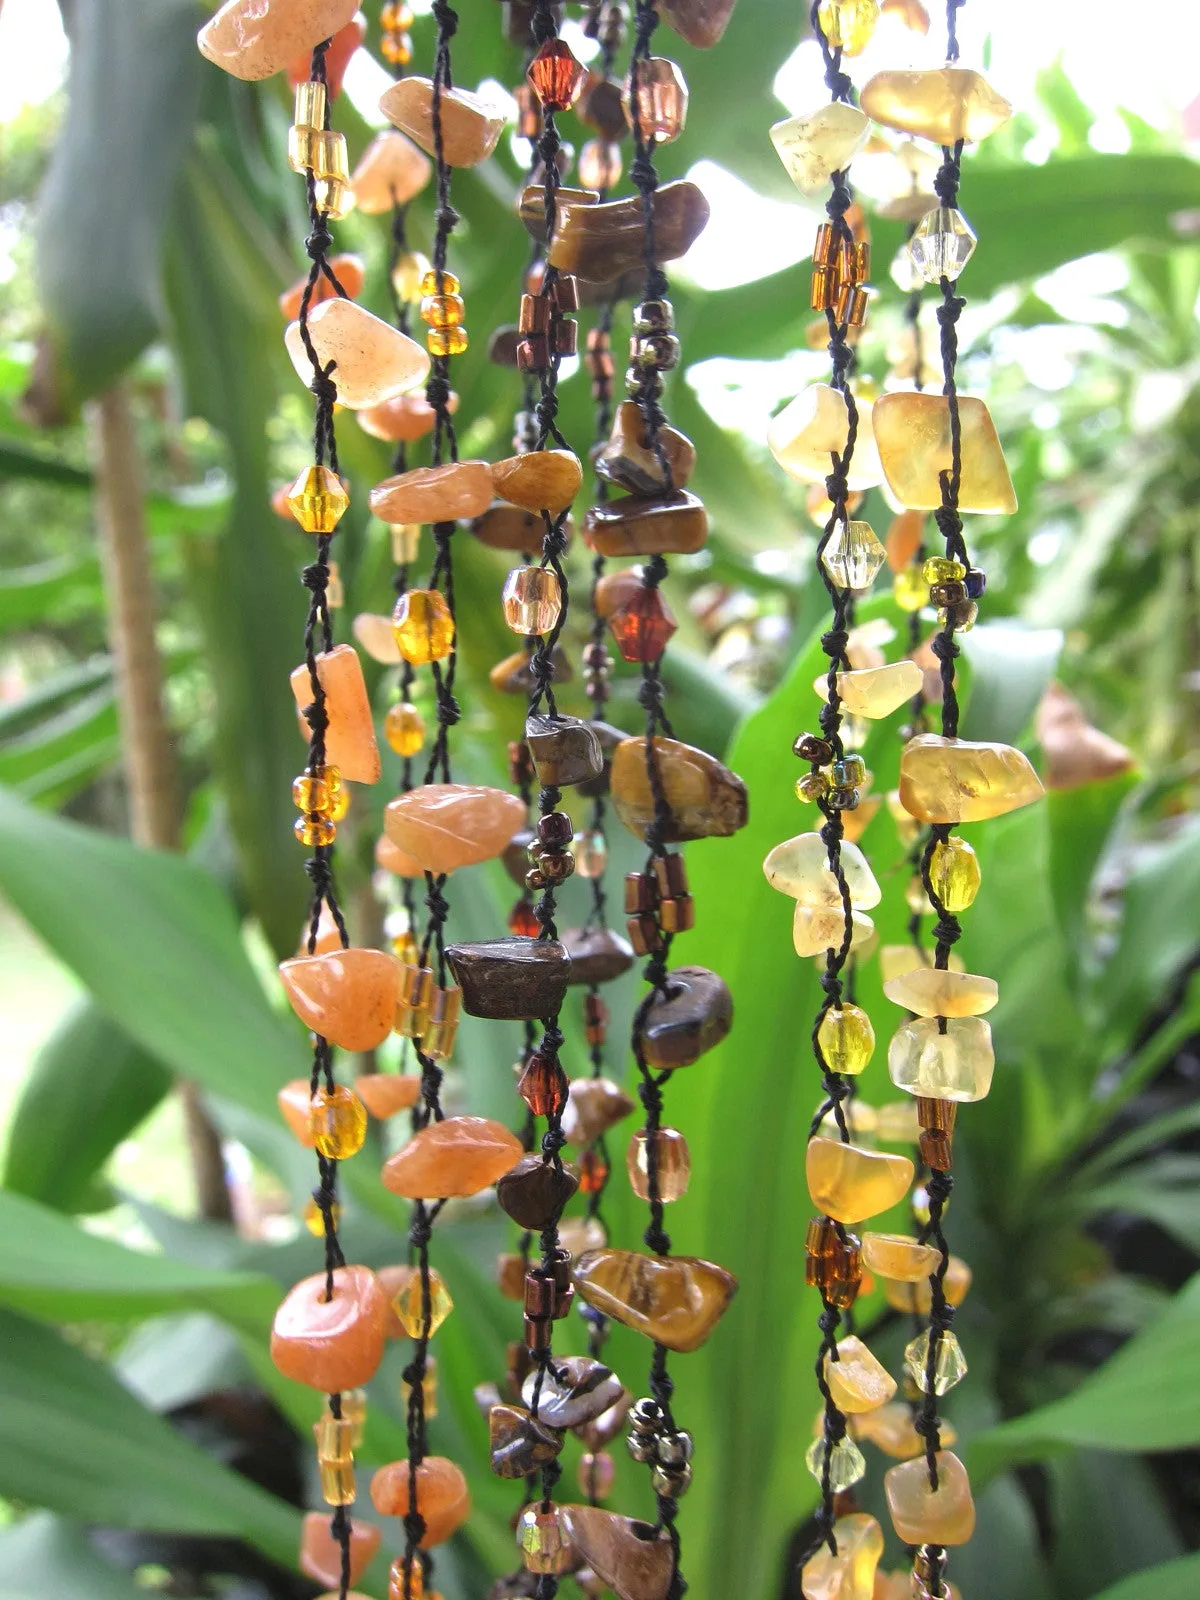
(404, 728)
(975, 582)
(423, 627)
(850, 771)
(847, 1039)
(312, 831)
(532, 600)
(847, 1464)
(443, 310)
(337, 1121)
(954, 873)
(942, 569)
(446, 341)
(339, 805)
(961, 617)
(909, 589)
(435, 282)
(812, 786)
(312, 793)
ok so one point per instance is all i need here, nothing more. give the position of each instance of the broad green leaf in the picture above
(1110, 1517)
(73, 1440)
(44, 1557)
(18, 460)
(28, 595)
(52, 694)
(1173, 1580)
(171, 1361)
(89, 1088)
(1081, 825)
(86, 730)
(1165, 1190)
(1012, 666)
(156, 942)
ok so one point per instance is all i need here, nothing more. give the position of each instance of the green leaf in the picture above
(73, 1440)
(84, 732)
(1110, 1517)
(1081, 824)
(28, 594)
(176, 978)
(44, 1557)
(1165, 1190)
(1147, 1397)
(1173, 1580)
(89, 1088)
(1012, 666)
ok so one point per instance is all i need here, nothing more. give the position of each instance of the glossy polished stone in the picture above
(404, 417)
(921, 1515)
(294, 1101)
(391, 171)
(629, 1557)
(564, 750)
(850, 1574)
(672, 1164)
(857, 1380)
(331, 1344)
(629, 462)
(706, 800)
(816, 929)
(690, 1018)
(349, 270)
(443, 1498)
(450, 1159)
(807, 432)
(954, 1065)
(534, 1192)
(539, 480)
(899, 1256)
(520, 1444)
(347, 996)
(814, 147)
(598, 955)
(897, 959)
(509, 527)
(471, 125)
(373, 360)
(511, 980)
(918, 1296)
(578, 1390)
(943, 104)
(449, 825)
(674, 524)
(386, 1093)
(321, 1554)
(930, 992)
(254, 39)
(799, 868)
(878, 691)
(350, 743)
(434, 494)
(891, 1430)
(912, 435)
(600, 242)
(594, 1105)
(958, 780)
(851, 1184)
(675, 1300)
(391, 858)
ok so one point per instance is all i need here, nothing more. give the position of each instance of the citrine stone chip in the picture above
(858, 1380)
(875, 692)
(851, 1184)
(814, 147)
(921, 1515)
(898, 1255)
(953, 1065)
(675, 1300)
(850, 1574)
(943, 104)
(961, 780)
(912, 435)
(930, 992)
(799, 868)
(815, 425)
(434, 494)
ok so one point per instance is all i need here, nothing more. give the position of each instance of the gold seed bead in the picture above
(446, 341)
(313, 831)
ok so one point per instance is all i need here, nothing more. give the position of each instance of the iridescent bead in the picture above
(853, 556)
(812, 786)
(847, 1464)
(543, 1539)
(942, 244)
(532, 600)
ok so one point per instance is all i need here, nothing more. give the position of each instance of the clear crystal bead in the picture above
(942, 244)
(847, 1464)
(853, 556)
(950, 1368)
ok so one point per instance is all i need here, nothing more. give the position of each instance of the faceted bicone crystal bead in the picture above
(331, 1344)
(350, 744)
(470, 125)
(930, 992)
(442, 1497)
(846, 1039)
(532, 600)
(675, 1300)
(543, 1540)
(456, 489)
(347, 996)
(960, 780)
(456, 1157)
(800, 868)
(950, 1365)
(318, 499)
(815, 146)
(921, 1515)
(850, 1184)
(857, 1380)
(373, 360)
(912, 436)
(539, 480)
(443, 826)
(954, 873)
(252, 40)
(321, 1554)
(671, 1160)
(816, 929)
(847, 1464)
(954, 1065)
(643, 628)
(660, 102)
(850, 1574)
(391, 171)
(337, 1120)
(898, 1255)
(944, 104)
(555, 75)
(941, 245)
(408, 1304)
(814, 426)
(853, 556)
(875, 692)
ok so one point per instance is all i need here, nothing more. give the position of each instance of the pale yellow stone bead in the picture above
(918, 1296)
(377, 638)
(955, 1065)
(921, 1515)
(857, 1380)
(896, 1122)
(891, 1430)
(912, 440)
(875, 692)
(850, 1574)
(799, 868)
(962, 780)
(944, 104)
(898, 1255)
(849, 1183)
(897, 959)
(373, 360)
(814, 147)
(814, 425)
(816, 929)
(929, 992)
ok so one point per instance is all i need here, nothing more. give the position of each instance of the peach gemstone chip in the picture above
(347, 996)
(254, 39)
(451, 1159)
(331, 1344)
(350, 743)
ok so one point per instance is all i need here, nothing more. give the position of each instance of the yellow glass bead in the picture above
(396, 48)
(909, 589)
(335, 595)
(811, 787)
(314, 1218)
(443, 310)
(954, 873)
(312, 793)
(313, 831)
(337, 1482)
(406, 542)
(423, 627)
(417, 990)
(335, 1439)
(847, 1464)
(404, 728)
(950, 1365)
(858, 1380)
(408, 276)
(433, 282)
(405, 949)
(846, 1038)
(339, 805)
(442, 1026)
(318, 500)
(354, 1409)
(337, 1120)
(310, 104)
(942, 569)
(409, 1308)
(446, 341)
(849, 24)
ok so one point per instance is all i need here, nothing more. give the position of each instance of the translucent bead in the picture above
(942, 244)
(339, 804)
(950, 1365)
(354, 1409)
(435, 282)
(672, 1164)
(850, 1574)
(961, 780)
(557, 79)
(922, 1515)
(591, 854)
(812, 786)
(443, 310)
(406, 542)
(858, 1380)
(963, 616)
(314, 1218)
(850, 1184)
(956, 1064)
(406, 1580)
(916, 899)
(596, 1474)
(335, 1438)
(408, 274)
(644, 626)
(896, 1123)
(813, 147)
(544, 1540)
(849, 24)
(847, 1039)
(337, 1482)
(662, 100)
(315, 791)
(532, 600)
(600, 165)
(318, 499)
(943, 104)
(847, 1464)
(337, 1120)
(429, 1389)
(832, 1262)
(446, 341)
(409, 1308)
(853, 556)
(404, 728)
(942, 569)
(934, 992)
(314, 831)
(954, 873)
(897, 1255)
(917, 1296)
(800, 868)
(423, 627)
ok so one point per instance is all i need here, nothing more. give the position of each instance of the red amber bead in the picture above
(593, 1172)
(556, 76)
(522, 919)
(643, 626)
(543, 1086)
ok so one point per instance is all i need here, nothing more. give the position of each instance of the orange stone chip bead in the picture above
(347, 996)
(434, 494)
(374, 360)
(386, 1093)
(253, 39)
(849, 1184)
(404, 416)
(350, 743)
(447, 825)
(921, 1515)
(391, 858)
(349, 271)
(321, 1554)
(294, 1101)
(443, 1499)
(453, 1158)
(331, 1344)
(391, 171)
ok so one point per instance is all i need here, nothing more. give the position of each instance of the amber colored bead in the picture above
(442, 309)
(406, 1578)
(556, 76)
(917, 1296)
(672, 1162)
(954, 873)
(913, 438)
(408, 1303)
(659, 102)
(447, 341)
(470, 126)
(544, 1540)
(850, 1184)
(896, 1255)
(456, 1157)
(831, 1265)
(921, 1515)
(314, 1218)
(318, 500)
(846, 1038)
(960, 780)
(442, 1496)
(337, 1120)
(850, 1574)
(347, 996)
(943, 104)
(643, 627)
(543, 1085)
(532, 600)
(593, 1172)
(857, 1380)
(331, 1344)
(314, 831)
(599, 166)
(337, 1482)
(676, 1300)
(523, 919)
(293, 1101)
(423, 626)
(350, 735)
(448, 825)
(404, 729)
